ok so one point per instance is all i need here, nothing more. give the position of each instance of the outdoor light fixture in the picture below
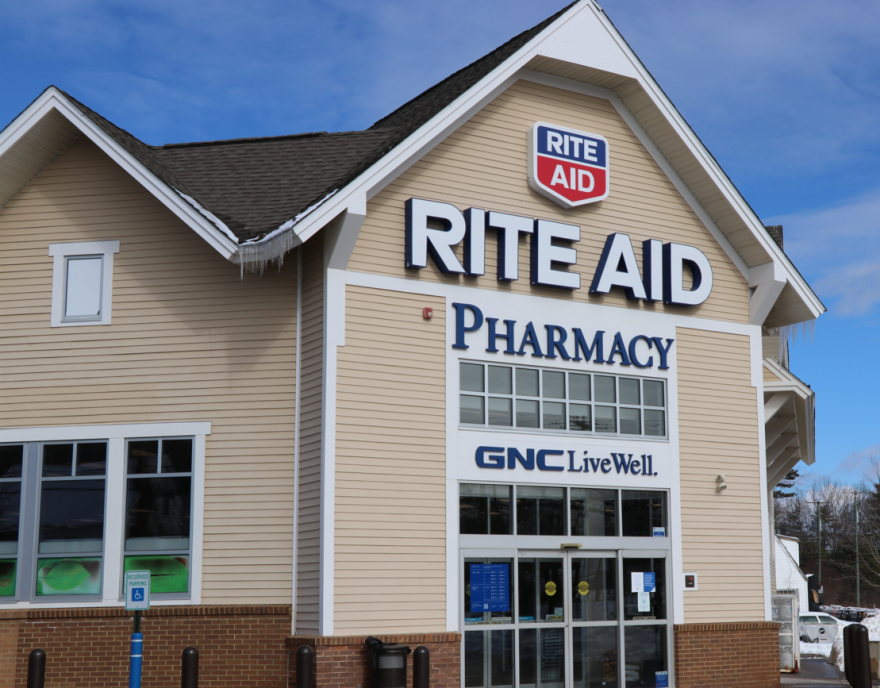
(720, 484)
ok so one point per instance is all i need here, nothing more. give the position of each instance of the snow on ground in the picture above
(872, 623)
(815, 649)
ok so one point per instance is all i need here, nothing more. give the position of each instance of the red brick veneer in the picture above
(727, 655)
(342, 661)
(239, 646)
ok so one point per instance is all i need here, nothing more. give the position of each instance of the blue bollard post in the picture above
(137, 660)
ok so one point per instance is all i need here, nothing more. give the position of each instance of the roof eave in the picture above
(805, 406)
(53, 100)
(463, 107)
(414, 146)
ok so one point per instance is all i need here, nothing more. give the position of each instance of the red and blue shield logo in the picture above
(567, 166)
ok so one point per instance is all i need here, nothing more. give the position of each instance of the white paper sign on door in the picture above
(638, 582)
(644, 601)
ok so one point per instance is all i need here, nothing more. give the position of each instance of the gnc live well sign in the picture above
(567, 166)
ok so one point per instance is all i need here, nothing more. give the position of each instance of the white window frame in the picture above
(114, 505)
(61, 252)
(541, 399)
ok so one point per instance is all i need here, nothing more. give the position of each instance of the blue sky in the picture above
(786, 95)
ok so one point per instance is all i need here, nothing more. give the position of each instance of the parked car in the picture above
(818, 627)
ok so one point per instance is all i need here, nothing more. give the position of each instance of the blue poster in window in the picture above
(650, 581)
(490, 587)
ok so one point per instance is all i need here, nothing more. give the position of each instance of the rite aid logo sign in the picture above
(567, 166)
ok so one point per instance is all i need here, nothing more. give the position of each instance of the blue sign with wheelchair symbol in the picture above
(137, 590)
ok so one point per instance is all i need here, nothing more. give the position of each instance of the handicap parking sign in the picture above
(137, 590)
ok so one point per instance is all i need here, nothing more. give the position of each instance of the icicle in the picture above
(791, 333)
(256, 255)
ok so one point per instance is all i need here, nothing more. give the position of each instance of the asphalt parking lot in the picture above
(814, 672)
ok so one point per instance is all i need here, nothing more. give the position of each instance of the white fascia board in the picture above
(653, 151)
(804, 404)
(605, 50)
(713, 169)
(788, 382)
(52, 99)
(372, 180)
(791, 560)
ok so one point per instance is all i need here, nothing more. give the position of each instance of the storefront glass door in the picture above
(566, 619)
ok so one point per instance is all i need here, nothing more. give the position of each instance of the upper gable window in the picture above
(82, 282)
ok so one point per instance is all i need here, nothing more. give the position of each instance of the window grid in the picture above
(503, 396)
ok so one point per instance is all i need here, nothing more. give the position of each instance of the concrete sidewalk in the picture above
(814, 673)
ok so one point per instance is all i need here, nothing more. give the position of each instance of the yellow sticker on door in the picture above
(583, 587)
(550, 588)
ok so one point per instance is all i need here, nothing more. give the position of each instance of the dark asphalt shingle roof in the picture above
(256, 185)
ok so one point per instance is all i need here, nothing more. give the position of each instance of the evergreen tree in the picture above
(782, 490)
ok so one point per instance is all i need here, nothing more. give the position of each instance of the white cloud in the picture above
(283, 66)
(839, 248)
(803, 73)
(860, 462)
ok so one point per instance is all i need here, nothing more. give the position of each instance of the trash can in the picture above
(388, 662)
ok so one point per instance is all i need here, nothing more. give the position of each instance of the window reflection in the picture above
(540, 510)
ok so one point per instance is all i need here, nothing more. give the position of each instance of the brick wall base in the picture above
(727, 655)
(342, 661)
(249, 647)
(239, 646)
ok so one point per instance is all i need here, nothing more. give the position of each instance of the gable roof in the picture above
(254, 199)
(251, 185)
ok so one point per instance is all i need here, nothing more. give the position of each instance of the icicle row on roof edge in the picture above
(791, 333)
(257, 254)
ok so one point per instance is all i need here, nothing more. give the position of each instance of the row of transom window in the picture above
(487, 509)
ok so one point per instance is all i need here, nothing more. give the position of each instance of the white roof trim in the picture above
(788, 382)
(429, 134)
(53, 99)
(805, 398)
(653, 151)
(789, 555)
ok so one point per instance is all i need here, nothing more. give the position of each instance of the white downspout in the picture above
(297, 385)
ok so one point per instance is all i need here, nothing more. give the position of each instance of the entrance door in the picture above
(576, 619)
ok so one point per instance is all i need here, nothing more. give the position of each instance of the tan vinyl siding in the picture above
(770, 346)
(718, 434)
(483, 164)
(30, 154)
(668, 139)
(391, 466)
(770, 376)
(190, 340)
(312, 380)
